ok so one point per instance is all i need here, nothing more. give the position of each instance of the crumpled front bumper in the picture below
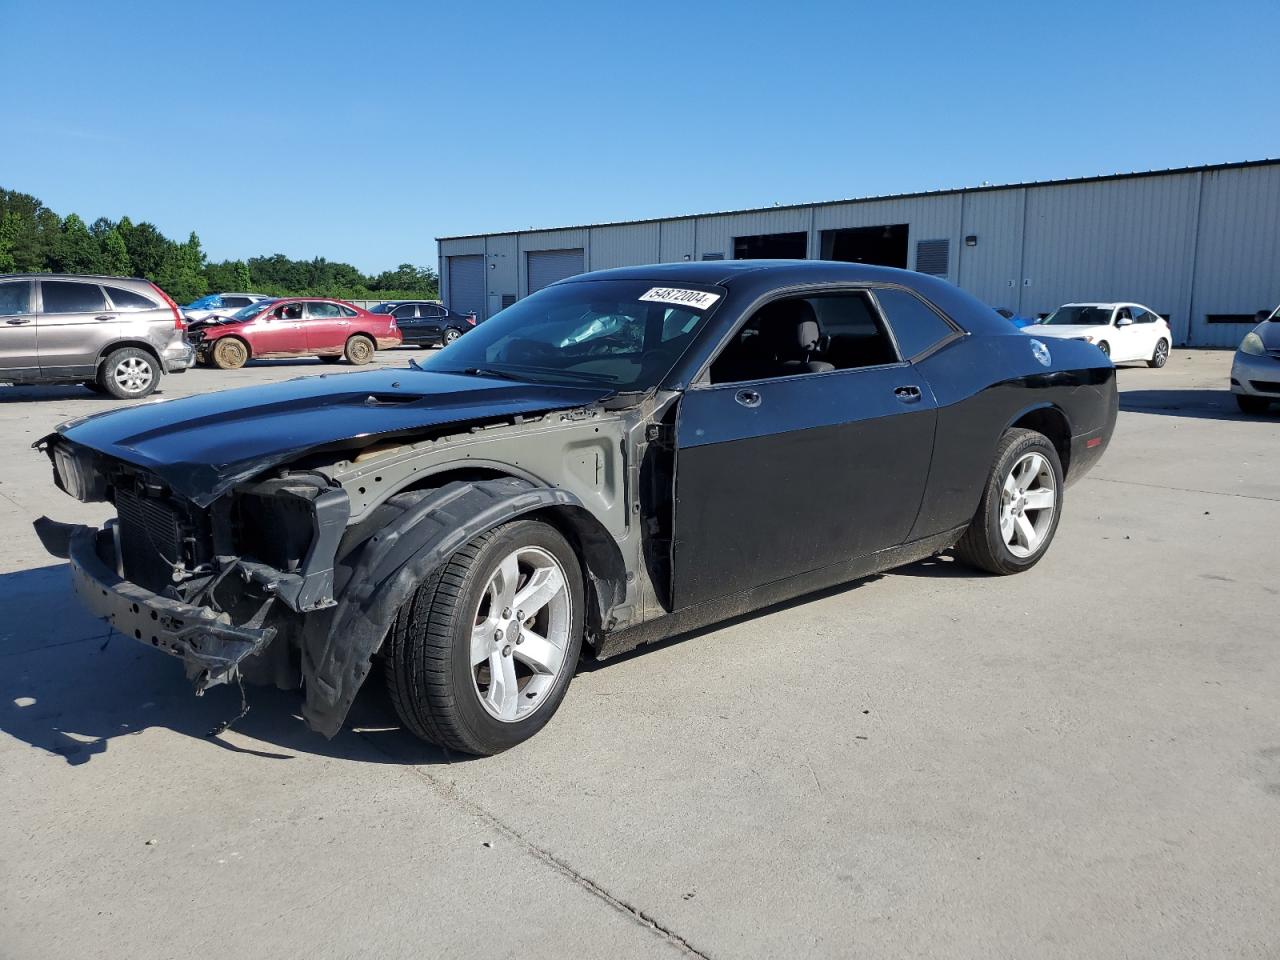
(210, 645)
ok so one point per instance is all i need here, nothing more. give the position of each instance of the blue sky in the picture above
(360, 132)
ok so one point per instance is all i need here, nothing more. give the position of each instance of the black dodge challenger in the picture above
(620, 457)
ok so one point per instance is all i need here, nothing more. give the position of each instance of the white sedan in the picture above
(1123, 331)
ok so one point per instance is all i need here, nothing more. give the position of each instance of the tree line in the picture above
(34, 239)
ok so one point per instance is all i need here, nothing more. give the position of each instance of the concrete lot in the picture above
(1083, 761)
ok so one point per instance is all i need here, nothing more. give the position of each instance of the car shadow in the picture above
(1199, 404)
(61, 391)
(70, 686)
(944, 567)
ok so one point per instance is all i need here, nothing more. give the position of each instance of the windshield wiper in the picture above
(490, 372)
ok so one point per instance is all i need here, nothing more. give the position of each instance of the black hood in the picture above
(203, 445)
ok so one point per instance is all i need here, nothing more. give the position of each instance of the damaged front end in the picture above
(223, 587)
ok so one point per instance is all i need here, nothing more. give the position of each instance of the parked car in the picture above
(734, 435)
(294, 327)
(1123, 331)
(1014, 318)
(220, 303)
(113, 334)
(1255, 370)
(427, 323)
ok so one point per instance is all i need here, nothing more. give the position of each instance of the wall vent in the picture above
(508, 299)
(713, 256)
(933, 257)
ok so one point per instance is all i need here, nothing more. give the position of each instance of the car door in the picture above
(1124, 336)
(18, 356)
(1146, 331)
(73, 325)
(326, 327)
(790, 472)
(280, 331)
(406, 317)
(434, 319)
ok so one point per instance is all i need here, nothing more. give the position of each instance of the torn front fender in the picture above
(385, 569)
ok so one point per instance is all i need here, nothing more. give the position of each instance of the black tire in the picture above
(1252, 405)
(360, 350)
(427, 651)
(229, 353)
(449, 336)
(331, 358)
(1105, 348)
(1159, 356)
(129, 374)
(982, 545)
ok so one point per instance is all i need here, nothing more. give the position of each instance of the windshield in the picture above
(1079, 317)
(252, 310)
(626, 334)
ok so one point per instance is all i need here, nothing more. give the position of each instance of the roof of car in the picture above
(723, 272)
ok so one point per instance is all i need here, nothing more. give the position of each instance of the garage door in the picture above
(548, 266)
(466, 285)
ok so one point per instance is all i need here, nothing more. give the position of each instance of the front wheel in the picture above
(1161, 354)
(1105, 348)
(1020, 507)
(230, 353)
(479, 659)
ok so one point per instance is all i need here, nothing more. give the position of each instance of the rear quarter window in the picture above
(123, 299)
(916, 326)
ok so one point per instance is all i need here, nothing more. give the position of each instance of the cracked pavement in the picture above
(1079, 761)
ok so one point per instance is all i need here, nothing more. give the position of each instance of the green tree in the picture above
(148, 248)
(181, 273)
(76, 251)
(115, 255)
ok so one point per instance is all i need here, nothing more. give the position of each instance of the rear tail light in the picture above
(179, 322)
(471, 319)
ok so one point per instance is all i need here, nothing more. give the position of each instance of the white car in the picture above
(1123, 331)
(1255, 371)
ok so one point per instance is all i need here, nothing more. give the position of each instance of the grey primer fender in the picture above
(387, 562)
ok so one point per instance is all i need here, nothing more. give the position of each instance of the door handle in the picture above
(105, 316)
(909, 394)
(748, 398)
(18, 321)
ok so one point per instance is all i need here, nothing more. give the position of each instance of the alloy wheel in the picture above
(520, 633)
(1027, 503)
(133, 374)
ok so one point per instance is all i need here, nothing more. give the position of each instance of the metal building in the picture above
(1200, 245)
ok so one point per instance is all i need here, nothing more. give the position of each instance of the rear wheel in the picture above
(1161, 354)
(482, 655)
(450, 335)
(1105, 348)
(1248, 404)
(1020, 507)
(129, 374)
(359, 350)
(230, 353)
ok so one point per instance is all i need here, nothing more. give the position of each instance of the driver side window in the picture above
(799, 335)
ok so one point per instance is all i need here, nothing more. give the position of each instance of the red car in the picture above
(293, 327)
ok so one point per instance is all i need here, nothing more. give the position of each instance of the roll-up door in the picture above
(548, 266)
(466, 285)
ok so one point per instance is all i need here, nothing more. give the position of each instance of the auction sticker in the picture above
(697, 299)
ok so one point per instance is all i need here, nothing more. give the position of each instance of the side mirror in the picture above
(1262, 315)
(1124, 321)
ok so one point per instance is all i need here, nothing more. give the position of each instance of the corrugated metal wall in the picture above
(1237, 257)
(1188, 244)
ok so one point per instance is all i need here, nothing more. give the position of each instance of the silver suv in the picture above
(113, 334)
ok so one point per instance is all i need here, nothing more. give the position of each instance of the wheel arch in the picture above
(386, 562)
(143, 345)
(1053, 423)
